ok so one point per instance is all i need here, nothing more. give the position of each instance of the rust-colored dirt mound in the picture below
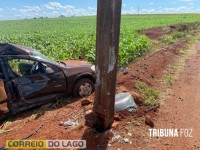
(150, 67)
(157, 32)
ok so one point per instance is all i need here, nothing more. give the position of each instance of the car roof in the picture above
(12, 49)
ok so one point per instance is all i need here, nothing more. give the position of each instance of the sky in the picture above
(25, 9)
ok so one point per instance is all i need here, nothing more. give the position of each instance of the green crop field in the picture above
(74, 38)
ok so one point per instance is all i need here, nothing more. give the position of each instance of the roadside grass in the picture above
(3, 128)
(178, 35)
(8, 122)
(172, 72)
(172, 38)
(155, 45)
(168, 39)
(191, 35)
(169, 79)
(185, 52)
(178, 66)
(166, 28)
(150, 94)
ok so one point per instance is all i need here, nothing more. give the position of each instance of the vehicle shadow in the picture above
(39, 111)
(94, 139)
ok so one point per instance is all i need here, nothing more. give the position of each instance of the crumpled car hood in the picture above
(77, 66)
(75, 63)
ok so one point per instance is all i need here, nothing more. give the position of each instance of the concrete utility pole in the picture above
(138, 10)
(107, 45)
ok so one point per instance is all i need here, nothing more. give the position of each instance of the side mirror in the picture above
(49, 70)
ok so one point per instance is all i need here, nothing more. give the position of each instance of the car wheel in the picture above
(83, 87)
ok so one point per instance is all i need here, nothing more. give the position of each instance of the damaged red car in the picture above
(29, 79)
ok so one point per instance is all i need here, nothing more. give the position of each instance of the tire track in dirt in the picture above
(182, 109)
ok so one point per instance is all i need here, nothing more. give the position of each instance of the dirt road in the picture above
(182, 109)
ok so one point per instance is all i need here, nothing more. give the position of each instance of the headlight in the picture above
(93, 68)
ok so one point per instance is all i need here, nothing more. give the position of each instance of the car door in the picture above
(4, 110)
(45, 83)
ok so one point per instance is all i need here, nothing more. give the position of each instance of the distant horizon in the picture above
(22, 9)
(43, 17)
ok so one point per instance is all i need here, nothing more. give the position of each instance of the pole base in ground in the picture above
(100, 120)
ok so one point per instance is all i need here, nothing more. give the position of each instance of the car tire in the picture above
(83, 87)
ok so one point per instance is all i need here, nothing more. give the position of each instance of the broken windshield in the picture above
(39, 55)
